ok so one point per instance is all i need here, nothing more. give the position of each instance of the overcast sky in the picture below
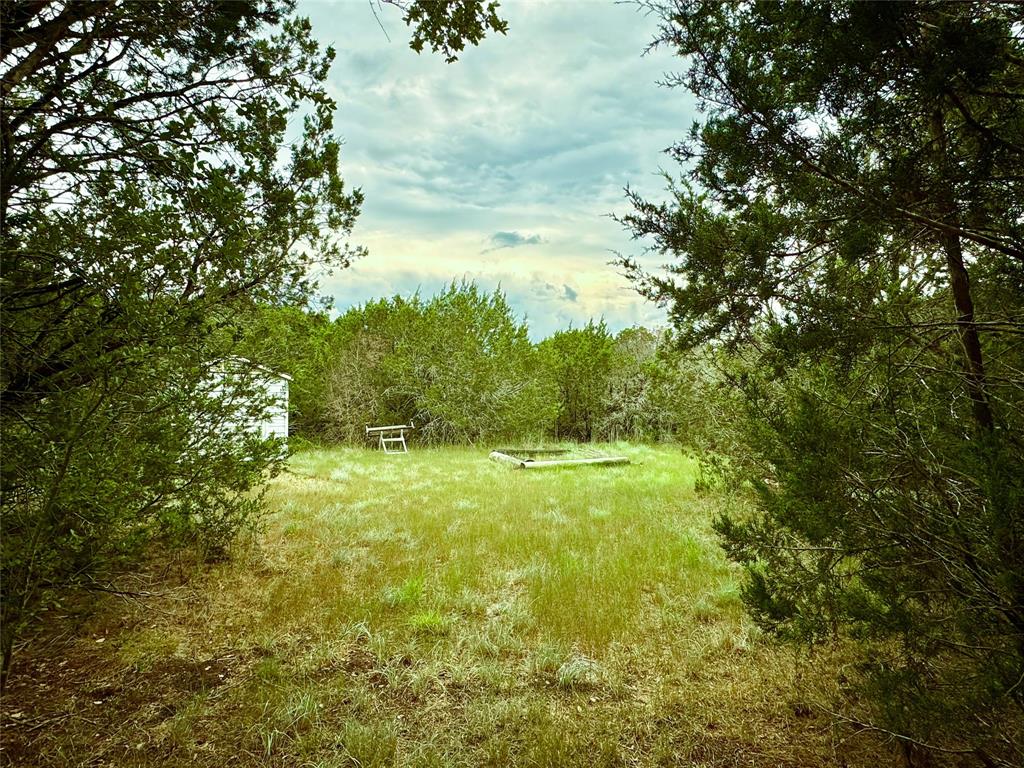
(503, 167)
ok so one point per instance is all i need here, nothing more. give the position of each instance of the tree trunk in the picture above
(960, 283)
(7, 637)
(961, 286)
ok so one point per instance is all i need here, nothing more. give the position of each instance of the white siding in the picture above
(274, 422)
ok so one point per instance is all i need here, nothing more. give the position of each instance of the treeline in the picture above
(462, 367)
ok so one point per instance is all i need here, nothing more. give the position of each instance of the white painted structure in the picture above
(529, 463)
(275, 422)
(391, 438)
(269, 388)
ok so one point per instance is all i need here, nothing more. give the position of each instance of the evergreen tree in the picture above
(851, 225)
(579, 361)
(458, 364)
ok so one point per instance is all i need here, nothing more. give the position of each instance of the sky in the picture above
(503, 167)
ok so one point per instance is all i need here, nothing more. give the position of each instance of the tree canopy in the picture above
(849, 222)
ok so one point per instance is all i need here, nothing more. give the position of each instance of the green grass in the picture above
(438, 609)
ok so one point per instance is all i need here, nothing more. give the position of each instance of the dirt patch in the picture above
(47, 701)
(190, 676)
(359, 661)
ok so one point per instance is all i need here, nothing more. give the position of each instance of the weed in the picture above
(370, 745)
(429, 623)
(408, 592)
(578, 672)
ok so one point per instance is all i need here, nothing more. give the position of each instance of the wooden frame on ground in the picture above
(527, 462)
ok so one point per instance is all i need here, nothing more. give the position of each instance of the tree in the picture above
(458, 364)
(151, 192)
(480, 383)
(362, 377)
(294, 341)
(447, 27)
(655, 391)
(578, 362)
(628, 403)
(852, 229)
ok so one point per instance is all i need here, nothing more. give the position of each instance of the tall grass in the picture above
(438, 609)
(573, 553)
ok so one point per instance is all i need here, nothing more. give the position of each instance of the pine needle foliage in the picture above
(848, 226)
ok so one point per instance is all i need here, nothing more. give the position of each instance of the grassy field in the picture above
(437, 609)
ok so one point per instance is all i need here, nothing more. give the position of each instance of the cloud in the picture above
(501, 240)
(534, 280)
(534, 129)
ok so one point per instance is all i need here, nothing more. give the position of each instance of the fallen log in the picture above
(524, 453)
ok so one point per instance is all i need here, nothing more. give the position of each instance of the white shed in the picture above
(275, 421)
(269, 388)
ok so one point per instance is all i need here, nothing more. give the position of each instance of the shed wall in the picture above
(269, 386)
(275, 423)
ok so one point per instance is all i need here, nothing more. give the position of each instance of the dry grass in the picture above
(437, 609)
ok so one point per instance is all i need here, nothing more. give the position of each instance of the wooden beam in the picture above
(531, 464)
(395, 427)
(575, 462)
(525, 452)
(506, 459)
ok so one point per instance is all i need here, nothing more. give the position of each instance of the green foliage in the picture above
(458, 365)
(634, 386)
(470, 369)
(174, 210)
(447, 27)
(850, 238)
(878, 522)
(658, 391)
(630, 407)
(579, 361)
(290, 340)
(462, 368)
(166, 167)
(361, 356)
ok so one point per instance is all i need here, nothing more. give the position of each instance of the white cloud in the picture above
(533, 134)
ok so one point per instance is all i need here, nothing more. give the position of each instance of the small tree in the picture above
(474, 369)
(458, 364)
(362, 376)
(578, 362)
